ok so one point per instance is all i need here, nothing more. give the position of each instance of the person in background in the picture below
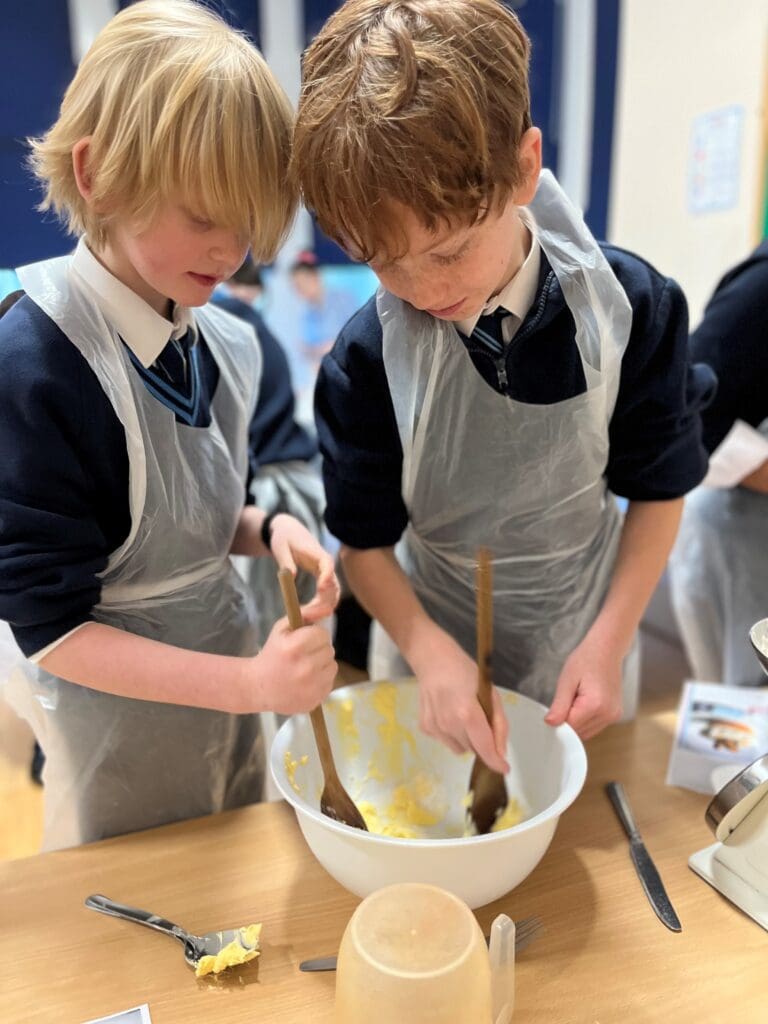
(125, 402)
(325, 309)
(719, 566)
(510, 378)
(246, 284)
(9, 300)
(284, 474)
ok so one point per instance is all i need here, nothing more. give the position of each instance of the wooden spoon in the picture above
(335, 802)
(488, 788)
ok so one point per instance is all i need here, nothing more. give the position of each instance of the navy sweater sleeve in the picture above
(359, 442)
(656, 451)
(63, 505)
(733, 339)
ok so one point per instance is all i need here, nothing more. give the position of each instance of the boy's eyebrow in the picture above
(449, 246)
(452, 250)
(190, 212)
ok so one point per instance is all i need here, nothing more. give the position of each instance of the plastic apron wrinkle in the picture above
(296, 488)
(115, 764)
(718, 574)
(527, 481)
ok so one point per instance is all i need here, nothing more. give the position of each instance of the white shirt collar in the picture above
(143, 330)
(519, 294)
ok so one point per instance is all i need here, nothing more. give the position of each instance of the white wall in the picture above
(680, 59)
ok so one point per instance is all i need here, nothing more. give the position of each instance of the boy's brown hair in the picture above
(178, 107)
(417, 102)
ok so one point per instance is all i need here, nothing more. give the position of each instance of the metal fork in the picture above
(526, 931)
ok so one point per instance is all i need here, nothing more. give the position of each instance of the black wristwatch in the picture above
(266, 530)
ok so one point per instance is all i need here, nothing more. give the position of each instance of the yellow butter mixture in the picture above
(415, 808)
(291, 764)
(511, 815)
(242, 949)
(405, 813)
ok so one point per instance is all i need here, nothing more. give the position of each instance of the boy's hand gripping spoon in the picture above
(335, 802)
(487, 788)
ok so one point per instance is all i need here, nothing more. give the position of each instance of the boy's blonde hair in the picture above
(418, 102)
(179, 106)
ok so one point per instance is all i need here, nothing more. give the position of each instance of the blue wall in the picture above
(36, 65)
(35, 69)
(606, 58)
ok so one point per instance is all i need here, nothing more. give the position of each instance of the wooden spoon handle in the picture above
(290, 599)
(484, 581)
(323, 743)
(295, 621)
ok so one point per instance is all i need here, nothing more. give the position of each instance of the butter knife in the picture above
(646, 869)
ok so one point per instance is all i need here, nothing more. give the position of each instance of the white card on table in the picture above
(137, 1015)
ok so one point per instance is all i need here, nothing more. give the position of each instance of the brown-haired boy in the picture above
(508, 379)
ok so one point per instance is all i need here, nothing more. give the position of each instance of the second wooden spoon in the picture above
(488, 788)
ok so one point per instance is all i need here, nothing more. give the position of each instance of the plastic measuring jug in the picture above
(415, 954)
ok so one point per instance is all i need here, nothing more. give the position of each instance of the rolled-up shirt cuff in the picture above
(741, 452)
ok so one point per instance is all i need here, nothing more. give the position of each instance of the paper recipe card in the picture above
(717, 726)
(138, 1015)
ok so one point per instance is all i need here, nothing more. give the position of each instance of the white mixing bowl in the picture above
(374, 755)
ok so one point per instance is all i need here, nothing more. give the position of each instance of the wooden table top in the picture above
(603, 956)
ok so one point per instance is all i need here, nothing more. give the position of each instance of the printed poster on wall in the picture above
(714, 160)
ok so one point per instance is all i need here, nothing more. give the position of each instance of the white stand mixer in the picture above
(737, 865)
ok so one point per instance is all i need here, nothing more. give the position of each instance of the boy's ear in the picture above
(81, 167)
(529, 159)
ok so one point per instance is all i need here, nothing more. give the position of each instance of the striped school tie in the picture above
(488, 331)
(173, 364)
(174, 377)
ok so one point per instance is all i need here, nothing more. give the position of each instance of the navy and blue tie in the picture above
(173, 378)
(488, 331)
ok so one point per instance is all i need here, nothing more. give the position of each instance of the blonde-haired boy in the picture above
(510, 374)
(171, 103)
(126, 400)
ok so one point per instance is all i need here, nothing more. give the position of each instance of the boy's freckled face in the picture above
(453, 271)
(178, 256)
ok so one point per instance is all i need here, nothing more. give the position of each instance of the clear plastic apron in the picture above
(525, 480)
(114, 764)
(718, 573)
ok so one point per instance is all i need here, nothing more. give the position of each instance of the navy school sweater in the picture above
(656, 450)
(64, 504)
(732, 339)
